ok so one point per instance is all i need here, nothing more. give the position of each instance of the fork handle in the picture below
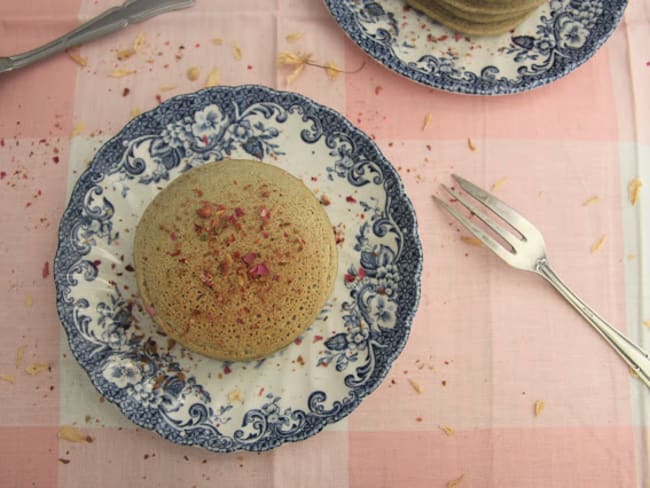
(111, 20)
(635, 357)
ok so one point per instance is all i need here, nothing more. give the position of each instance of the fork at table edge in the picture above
(535, 260)
(111, 20)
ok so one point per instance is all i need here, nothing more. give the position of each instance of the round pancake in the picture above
(235, 259)
(505, 8)
(469, 18)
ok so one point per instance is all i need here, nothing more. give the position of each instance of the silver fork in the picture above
(111, 20)
(528, 252)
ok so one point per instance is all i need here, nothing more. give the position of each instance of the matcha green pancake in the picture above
(235, 259)
(476, 17)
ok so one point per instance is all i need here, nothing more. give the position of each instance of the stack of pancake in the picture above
(477, 17)
(235, 259)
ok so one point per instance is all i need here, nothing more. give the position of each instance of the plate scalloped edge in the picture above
(563, 39)
(84, 217)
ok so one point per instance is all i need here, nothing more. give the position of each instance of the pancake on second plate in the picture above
(235, 259)
(481, 18)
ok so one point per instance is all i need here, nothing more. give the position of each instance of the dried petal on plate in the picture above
(138, 42)
(29, 301)
(120, 72)
(193, 73)
(646, 323)
(166, 88)
(135, 112)
(8, 378)
(471, 145)
(539, 407)
(427, 121)
(416, 386)
(295, 36)
(591, 200)
(633, 189)
(471, 240)
(286, 58)
(456, 482)
(447, 430)
(78, 129)
(235, 396)
(498, 184)
(598, 244)
(20, 354)
(213, 78)
(77, 58)
(332, 69)
(36, 368)
(72, 434)
(217, 40)
(236, 52)
(123, 54)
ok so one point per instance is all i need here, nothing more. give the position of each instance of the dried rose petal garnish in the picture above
(249, 258)
(238, 212)
(150, 310)
(265, 213)
(207, 280)
(204, 212)
(259, 270)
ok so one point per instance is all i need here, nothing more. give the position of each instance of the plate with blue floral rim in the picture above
(554, 40)
(293, 394)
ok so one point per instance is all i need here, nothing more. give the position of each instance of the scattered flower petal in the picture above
(295, 36)
(591, 201)
(125, 54)
(249, 258)
(20, 354)
(193, 73)
(36, 368)
(120, 73)
(456, 482)
(78, 129)
(449, 431)
(259, 270)
(213, 78)
(633, 189)
(8, 378)
(332, 69)
(138, 42)
(72, 434)
(427, 121)
(77, 58)
(599, 243)
(416, 386)
(236, 52)
(471, 240)
(539, 407)
(498, 184)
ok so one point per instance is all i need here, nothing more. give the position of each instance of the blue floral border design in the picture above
(88, 217)
(570, 36)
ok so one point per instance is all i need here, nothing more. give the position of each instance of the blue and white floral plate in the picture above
(557, 38)
(323, 375)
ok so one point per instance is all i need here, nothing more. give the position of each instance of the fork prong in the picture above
(479, 233)
(507, 213)
(506, 235)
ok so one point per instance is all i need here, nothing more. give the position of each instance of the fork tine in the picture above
(506, 235)
(485, 238)
(507, 213)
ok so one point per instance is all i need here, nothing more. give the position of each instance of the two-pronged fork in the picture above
(527, 251)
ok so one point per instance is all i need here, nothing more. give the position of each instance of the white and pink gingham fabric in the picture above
(488, 342)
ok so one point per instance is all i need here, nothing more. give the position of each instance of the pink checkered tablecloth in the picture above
(494, 341)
